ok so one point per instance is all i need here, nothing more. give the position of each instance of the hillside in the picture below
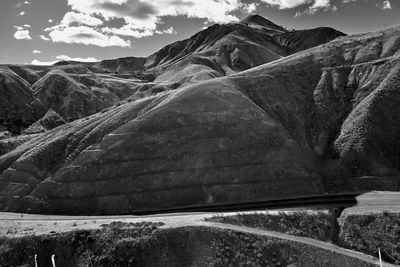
(320, 120)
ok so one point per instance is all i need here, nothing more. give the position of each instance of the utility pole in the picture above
(380, 257)
(53, 261)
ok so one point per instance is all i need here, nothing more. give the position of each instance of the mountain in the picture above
(16, 102)
(321, 120)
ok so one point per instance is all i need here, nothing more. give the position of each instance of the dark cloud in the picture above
(133, 9)
(84, 35)
(181, 3)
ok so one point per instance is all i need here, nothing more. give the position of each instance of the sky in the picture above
(46, 31)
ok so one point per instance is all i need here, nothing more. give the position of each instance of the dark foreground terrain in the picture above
(134, 245)
(361, 232)
(295, 237)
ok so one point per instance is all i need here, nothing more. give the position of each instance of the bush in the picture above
(318, 225)
(368, 232)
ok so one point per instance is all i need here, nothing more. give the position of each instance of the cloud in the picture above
(309, 6)
(170, 30)
(146, 13)
(87, 36)
(43, 63)
(20, 5)
(63, 58)
(287, 4)
(250, 8)
(50, 20)
(386, 5)
(312, 6)
(320, 5)
(22, 34)
(67, 58)
(126, 30)
(36, 51)
(20, 28)
(137, 33)
(21, 13)
(79, 18)
(44, 38)
(143, 17)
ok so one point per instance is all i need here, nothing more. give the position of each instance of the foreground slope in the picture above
(181, 148)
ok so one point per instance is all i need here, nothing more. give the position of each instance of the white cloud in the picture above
(287, 4)
(63, 58)
(43, 63)
(137, 33)
(320, 5)
(67, 58)
(44, 38)
(142, 17)
(80, 18)
(20, 5)
(87, 36)
(170, 30)
(21, 13)
(126, 30)
(20, 28)
(146, 14)
(310, 6)
(386, 5)
(250, 8)
(22, 34)
(36, 51)
(50, 20)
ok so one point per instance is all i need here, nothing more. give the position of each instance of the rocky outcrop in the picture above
(49, 121)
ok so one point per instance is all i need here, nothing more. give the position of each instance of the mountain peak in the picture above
(260, 21)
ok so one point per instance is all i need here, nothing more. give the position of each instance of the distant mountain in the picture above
(208, 130)
(217, 51)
